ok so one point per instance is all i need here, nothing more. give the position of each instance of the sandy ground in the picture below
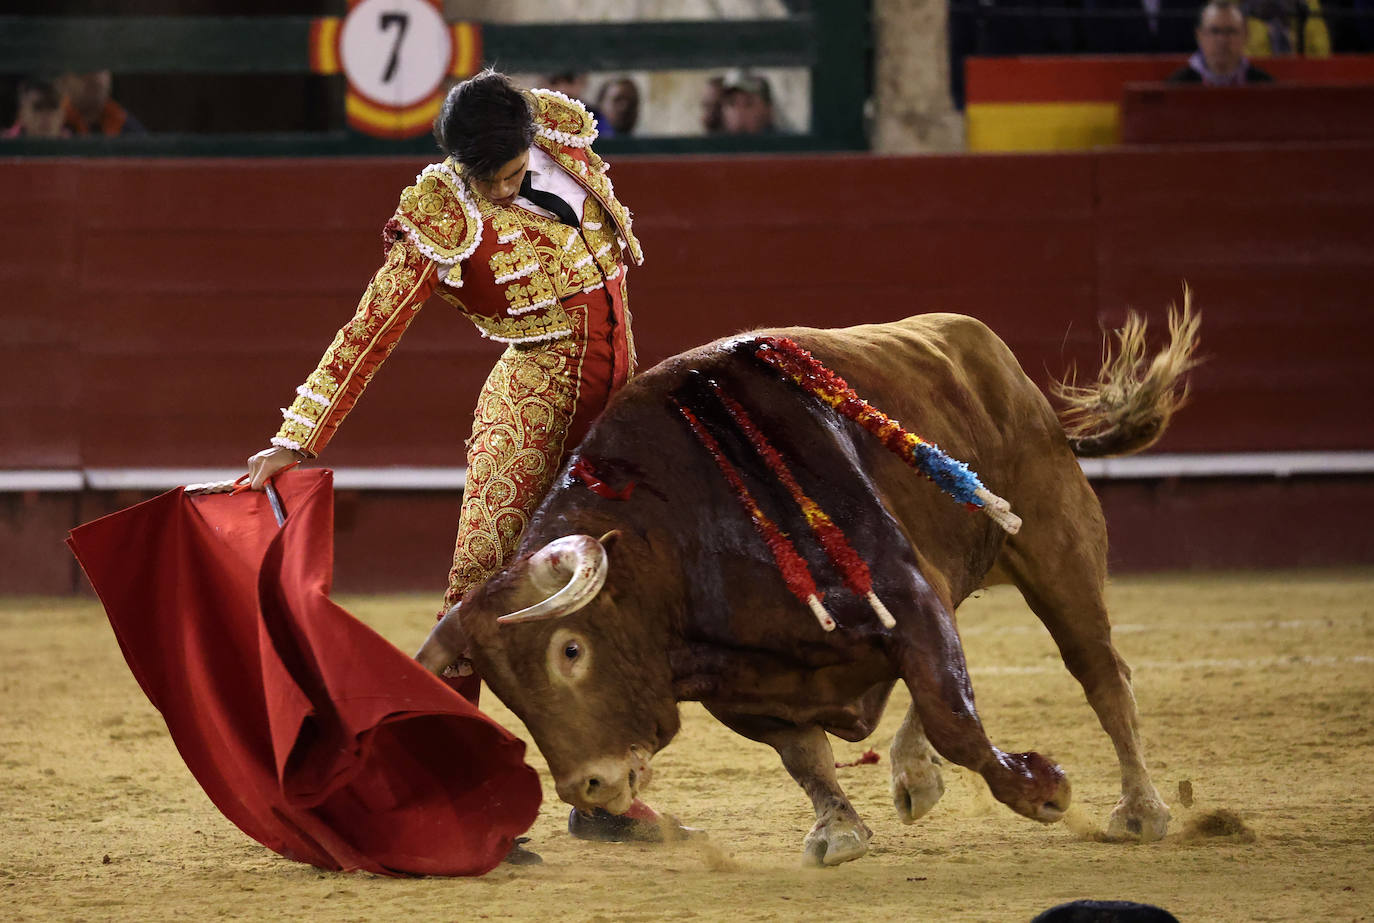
(1256, 690)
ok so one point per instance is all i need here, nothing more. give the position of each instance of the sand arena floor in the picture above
(1256, 690)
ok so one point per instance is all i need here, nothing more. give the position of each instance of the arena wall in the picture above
(158, 312)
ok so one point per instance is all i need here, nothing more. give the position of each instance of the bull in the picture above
(647, 584)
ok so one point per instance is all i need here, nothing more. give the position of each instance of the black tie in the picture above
(548, 201)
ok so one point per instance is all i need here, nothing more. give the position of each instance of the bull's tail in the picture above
(1128, 408)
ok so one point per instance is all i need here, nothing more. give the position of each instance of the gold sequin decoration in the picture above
(522, 420)
(392, 288)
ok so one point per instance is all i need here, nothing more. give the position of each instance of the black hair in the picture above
(485, 121)
(1219, 5)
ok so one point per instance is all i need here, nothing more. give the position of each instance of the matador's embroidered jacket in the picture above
(520, 277)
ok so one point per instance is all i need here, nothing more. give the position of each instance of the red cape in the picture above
(309, 730)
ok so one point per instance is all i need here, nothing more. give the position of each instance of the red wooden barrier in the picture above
(1165, 113)
(157, 313)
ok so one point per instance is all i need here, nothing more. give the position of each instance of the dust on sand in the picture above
(1256, 689)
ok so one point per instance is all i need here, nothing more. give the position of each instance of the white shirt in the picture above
(547, 176)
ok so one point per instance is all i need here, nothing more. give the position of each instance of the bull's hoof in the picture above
(1144, 818)
(1030, 785)
(835, 842)
(916, 787)
(604, 827)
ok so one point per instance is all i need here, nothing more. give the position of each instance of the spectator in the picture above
(39, 110)
(618, 105)
(90, 110)
(1272, 27)
(746, 105)
(1220, 59)
(572, 84)
(712, 121)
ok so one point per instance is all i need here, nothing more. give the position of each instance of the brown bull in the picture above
(593, 642)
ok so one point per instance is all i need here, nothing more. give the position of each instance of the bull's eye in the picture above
(568, 656)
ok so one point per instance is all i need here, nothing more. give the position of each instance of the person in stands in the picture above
(1220, 59)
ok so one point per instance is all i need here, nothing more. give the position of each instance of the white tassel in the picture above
(297, 418)
(518, 273)
(999, 511)
(546, 303)
(538, 338)
(821, 615)
(309, 395)
(883, 615)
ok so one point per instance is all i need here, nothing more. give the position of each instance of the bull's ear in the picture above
(609, 539)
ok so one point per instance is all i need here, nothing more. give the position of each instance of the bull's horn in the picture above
(446, 646)
(572, 569)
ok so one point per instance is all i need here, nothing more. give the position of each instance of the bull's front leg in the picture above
(839, 834)
(930, 658)
(916, 781)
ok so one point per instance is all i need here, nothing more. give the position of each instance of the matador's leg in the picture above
(518, 439)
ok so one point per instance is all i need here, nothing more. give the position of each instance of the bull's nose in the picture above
(599, 787)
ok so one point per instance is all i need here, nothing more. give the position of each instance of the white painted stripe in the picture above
(155, 478)
(1130, 628)
(399, 478)
(69, 481)
(1140, 667)
(42, 480)
(1229, 464)
(1163, 465)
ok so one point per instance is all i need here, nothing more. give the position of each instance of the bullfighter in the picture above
(520, 229)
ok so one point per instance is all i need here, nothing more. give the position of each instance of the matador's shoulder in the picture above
(562, 119)
(439, 215)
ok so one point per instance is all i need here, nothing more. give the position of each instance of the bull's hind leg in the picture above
(928, 655)
(1059, 564)
(916, 781)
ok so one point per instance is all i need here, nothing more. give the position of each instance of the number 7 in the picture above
(387, 21)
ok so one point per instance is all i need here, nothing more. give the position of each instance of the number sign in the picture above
(396, 56)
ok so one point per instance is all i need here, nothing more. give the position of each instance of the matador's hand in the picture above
(269, 462)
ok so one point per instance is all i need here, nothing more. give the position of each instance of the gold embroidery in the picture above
(519, 261)
(438, 214)
(624, 284)
(537, 325)
(563, 264)
(561, 115)
(522, 420)
(525, 296)
(601, 188)
(600, 235)
(390, 297)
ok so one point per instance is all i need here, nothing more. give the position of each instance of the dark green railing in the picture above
(831, 39)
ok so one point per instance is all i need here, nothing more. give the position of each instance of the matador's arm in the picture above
(393, 297)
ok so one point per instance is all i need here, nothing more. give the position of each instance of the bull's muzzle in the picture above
(611, 784)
